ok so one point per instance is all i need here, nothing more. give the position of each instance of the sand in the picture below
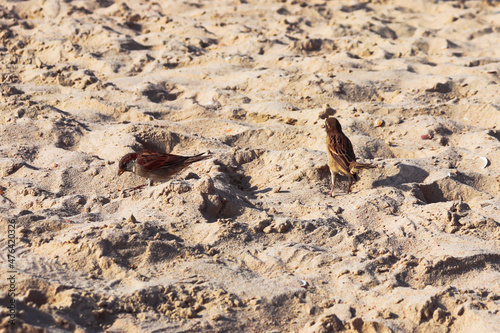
(249, 240)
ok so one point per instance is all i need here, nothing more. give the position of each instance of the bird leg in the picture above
(148, 184)
(133, 188)
(136, 188)
(350, 184)
(334, 180)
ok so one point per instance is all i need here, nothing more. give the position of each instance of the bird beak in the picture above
(120, 172)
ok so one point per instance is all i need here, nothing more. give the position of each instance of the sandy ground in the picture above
(249, 240)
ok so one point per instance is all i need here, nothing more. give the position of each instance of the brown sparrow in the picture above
(341, 157)
(156, 166)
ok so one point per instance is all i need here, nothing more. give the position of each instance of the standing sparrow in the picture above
(341, 157)
(156, 166)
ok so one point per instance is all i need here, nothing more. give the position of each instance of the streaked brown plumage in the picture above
(341, 157)
(154, 165)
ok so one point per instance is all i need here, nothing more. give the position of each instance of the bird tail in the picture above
(196, 158)
(354, 167)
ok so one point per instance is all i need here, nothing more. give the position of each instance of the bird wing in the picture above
(152, 160)
(342, 152)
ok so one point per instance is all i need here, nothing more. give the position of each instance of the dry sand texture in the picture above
(249, 240)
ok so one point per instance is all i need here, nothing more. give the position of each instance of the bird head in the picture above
(333, 125)
(127, 163)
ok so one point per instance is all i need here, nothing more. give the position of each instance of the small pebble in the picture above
(132, 219)
(326, 111)
(303, 283)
